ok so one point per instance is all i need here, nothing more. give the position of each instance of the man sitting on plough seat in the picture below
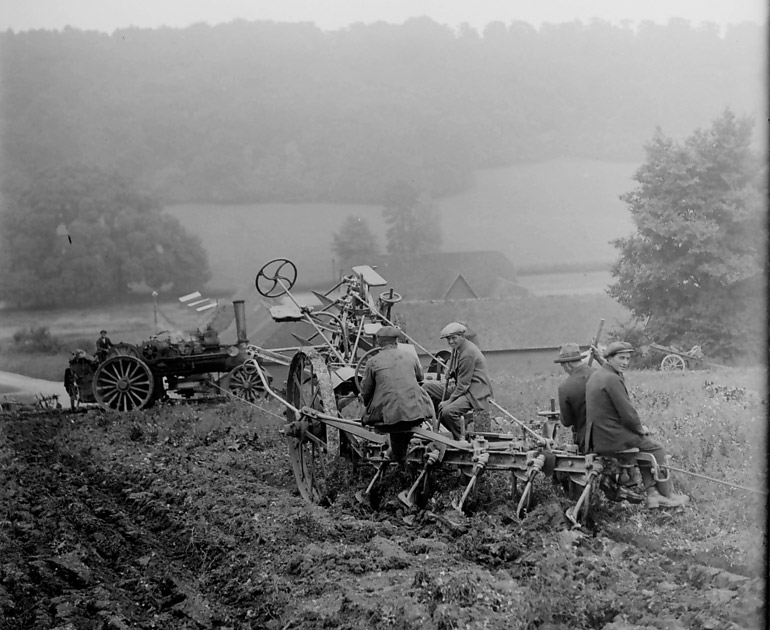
(467, 386)
(613, 424)
(572, 392)
(391, 390)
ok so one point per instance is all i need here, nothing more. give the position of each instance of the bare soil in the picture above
(189, 518)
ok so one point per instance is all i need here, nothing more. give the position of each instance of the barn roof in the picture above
(432, 276)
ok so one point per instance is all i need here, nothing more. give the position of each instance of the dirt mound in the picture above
(189, 518)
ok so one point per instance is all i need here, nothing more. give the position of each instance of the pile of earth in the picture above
(191, 520)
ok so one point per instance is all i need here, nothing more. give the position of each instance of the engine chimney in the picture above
(240, 321)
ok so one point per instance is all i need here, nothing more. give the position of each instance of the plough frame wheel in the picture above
(245, 383)
(313, 446)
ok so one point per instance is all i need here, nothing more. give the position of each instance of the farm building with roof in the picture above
(450, 275)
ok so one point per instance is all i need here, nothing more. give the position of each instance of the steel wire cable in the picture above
(726, 483)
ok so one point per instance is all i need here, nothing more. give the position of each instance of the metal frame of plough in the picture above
(320, 436)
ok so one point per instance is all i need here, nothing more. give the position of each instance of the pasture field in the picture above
(187, 517)
(560, 211)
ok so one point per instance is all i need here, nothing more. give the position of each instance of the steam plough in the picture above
(323, 411)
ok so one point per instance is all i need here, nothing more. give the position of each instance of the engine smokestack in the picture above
(240, 321)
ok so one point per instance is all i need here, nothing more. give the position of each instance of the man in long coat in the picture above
(470, 387)
(392, 392)
(572, 392)
(613, 424)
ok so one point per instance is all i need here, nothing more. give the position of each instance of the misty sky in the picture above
(108, 15)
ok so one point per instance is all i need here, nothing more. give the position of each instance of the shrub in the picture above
(36, 339)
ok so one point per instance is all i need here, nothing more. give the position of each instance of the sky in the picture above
(109, 15)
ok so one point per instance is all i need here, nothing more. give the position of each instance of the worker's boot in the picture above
(656, 500)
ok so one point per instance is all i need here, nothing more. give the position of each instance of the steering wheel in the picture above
(276, 277)
(361, 365)
(390, 297)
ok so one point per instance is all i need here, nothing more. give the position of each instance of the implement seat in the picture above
(632, 457)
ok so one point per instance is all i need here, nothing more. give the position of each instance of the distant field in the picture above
(561, 211)
(578, 283)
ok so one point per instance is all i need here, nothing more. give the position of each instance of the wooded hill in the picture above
(262, 111)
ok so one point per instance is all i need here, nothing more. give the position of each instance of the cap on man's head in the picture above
(455, 328)
(388, 332)
(616, 347)
(569, 352)
(102, 332)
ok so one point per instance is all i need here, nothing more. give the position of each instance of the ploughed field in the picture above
(186, 517)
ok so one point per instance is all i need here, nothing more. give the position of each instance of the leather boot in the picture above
(656, 500)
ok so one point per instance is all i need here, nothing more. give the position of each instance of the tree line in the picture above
(262, 111)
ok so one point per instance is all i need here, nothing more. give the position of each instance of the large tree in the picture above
(355, 243)
(413, 224)
(694, 267)
(79, 235)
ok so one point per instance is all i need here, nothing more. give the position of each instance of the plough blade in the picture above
(406, 496)
(365, 497)
(458, 505)
(481, 459)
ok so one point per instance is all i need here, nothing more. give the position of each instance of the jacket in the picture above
(468, 368)
(391, 389)
(572, 402)
(613, 424)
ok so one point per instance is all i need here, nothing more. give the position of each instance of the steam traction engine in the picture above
(136, 376)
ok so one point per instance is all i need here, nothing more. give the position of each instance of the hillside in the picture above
(559, 211)
(257, 112)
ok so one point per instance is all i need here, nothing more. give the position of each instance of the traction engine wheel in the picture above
(311, 449)
(123, 383)
(672, 362)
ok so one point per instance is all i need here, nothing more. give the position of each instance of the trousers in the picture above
(451, 414)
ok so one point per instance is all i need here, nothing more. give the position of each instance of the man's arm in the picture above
(566, 413)
(466, 364)
(629, 417)
(367, 384)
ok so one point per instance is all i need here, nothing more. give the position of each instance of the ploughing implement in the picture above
(324, 410)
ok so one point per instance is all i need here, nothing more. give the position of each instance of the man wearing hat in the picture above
(613, 424)
(572, 392)
(392, 392)
(467, 384)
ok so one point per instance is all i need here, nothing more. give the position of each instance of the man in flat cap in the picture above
(467, 386)
(613, 424)
(572, 392)
(391, 390)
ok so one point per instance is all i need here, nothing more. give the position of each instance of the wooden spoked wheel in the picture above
(672, 363)
(312, 448)
(123, 383)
